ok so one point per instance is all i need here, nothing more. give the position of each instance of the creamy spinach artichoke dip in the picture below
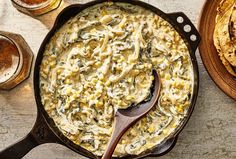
(102, 60)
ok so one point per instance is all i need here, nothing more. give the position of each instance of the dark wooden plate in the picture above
(225, 81)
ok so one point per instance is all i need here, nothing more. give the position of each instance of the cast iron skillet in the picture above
(45, 131)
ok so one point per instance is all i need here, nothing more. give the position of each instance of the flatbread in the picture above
(227, 65)
(221, 35)
(232, 29)
(232, 26)
(224, 39)
(223, 7)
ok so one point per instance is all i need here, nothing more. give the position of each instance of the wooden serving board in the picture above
(225, 81)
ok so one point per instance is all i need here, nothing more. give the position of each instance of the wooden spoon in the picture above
(124, 118)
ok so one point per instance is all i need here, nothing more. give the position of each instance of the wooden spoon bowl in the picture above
(125, 118)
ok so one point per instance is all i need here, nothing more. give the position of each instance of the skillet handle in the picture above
(164, 148)
(19, 149)
(40, 134)
(187, 28)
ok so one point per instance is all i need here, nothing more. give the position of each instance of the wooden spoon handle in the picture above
(122, 123)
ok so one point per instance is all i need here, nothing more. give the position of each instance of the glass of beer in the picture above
(10, 59)
(15, 60)
(36, 7)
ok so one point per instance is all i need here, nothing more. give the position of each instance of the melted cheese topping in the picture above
(102, 60)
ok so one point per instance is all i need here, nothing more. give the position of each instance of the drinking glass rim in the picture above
(34, 6)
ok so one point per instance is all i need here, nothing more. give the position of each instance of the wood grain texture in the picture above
(208, 51)
(209, 134)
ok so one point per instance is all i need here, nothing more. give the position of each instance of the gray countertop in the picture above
(210, 133)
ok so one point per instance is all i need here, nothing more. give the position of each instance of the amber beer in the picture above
(9, 59)
(36, 7)
(30, 2)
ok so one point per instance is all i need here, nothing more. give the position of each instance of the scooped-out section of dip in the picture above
(102, 60)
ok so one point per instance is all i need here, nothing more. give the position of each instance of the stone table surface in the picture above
(209, 134)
